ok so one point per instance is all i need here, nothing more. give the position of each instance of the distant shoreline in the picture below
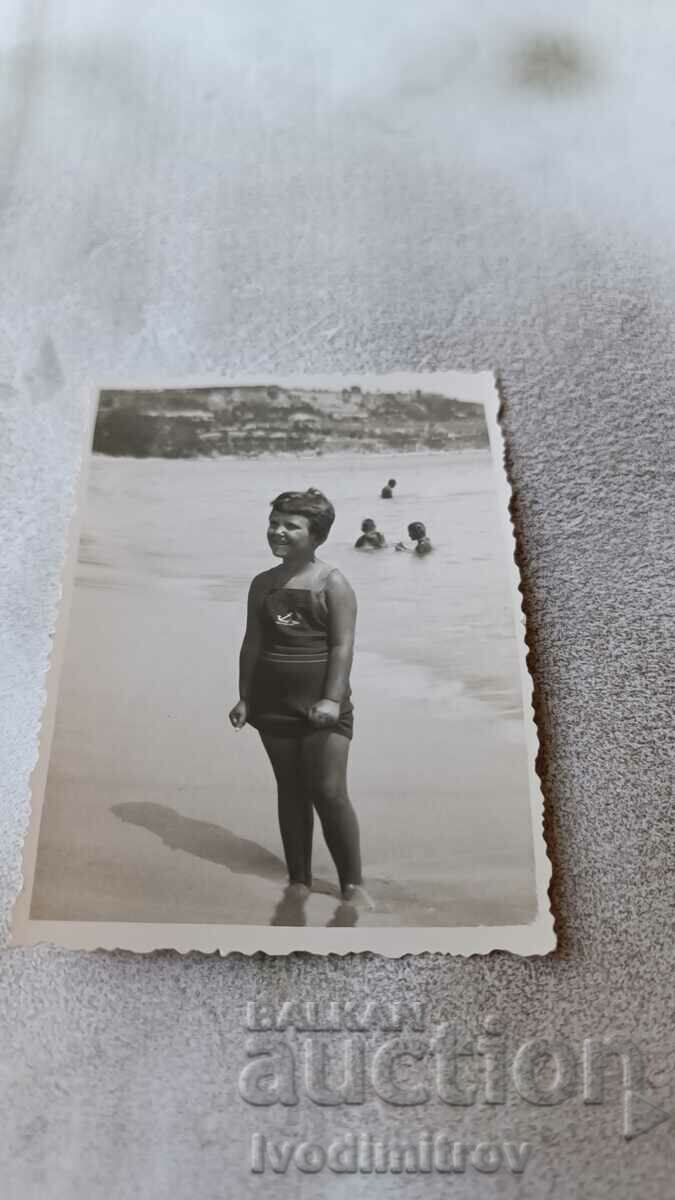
(294, 455)
(249, 421)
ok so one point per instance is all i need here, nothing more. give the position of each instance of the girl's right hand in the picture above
(239, 715)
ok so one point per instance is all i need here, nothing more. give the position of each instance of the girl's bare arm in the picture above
(250, 647)
(342, 622)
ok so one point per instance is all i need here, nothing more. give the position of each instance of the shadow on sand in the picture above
(218, 845)
(202, 839)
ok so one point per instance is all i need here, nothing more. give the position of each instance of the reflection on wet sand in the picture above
(291, 909)
(344, 917)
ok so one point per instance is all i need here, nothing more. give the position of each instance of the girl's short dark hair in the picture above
(311, 504)
(367, 524)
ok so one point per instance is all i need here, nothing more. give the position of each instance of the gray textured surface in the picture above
(375, 186)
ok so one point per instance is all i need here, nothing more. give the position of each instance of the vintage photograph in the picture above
(288, 705)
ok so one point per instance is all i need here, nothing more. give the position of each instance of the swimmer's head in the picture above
(391, 483)
(416, 530)
(368, 525)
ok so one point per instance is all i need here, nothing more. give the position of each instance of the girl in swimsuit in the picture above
(294, 669)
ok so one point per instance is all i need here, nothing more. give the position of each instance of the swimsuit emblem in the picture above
(288, 618)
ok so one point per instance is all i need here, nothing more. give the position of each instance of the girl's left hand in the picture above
(239, 715)
(324, 713)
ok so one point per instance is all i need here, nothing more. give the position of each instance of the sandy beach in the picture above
(156, 811)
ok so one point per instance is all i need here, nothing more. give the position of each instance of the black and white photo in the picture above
(288, 704)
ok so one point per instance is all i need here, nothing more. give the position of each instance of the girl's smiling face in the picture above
(288, 534)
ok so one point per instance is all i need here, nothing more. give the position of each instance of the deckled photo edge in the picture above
(535, 938)
(36, 777)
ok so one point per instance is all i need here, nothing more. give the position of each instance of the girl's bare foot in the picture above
(296, 890)
(356, 894)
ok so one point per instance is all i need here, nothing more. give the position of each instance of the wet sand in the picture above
(157, 811)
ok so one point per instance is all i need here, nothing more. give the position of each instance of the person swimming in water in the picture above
(418, 534)
(388, 489)
(371, 538)
(294, 689)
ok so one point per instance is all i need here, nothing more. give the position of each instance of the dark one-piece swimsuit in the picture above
(290, 674)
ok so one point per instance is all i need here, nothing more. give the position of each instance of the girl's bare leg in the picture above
(296, 816)
(324, 764)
